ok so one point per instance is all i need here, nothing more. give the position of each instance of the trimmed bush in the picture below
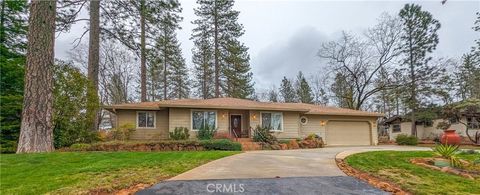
(80, 147)
(180, 133)
(206, 132)
(404, 139)
(221, 144)
(181, 145)
(123, 132)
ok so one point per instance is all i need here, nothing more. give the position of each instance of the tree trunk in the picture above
(216, 53)
(93, 63)
(165, 69)
(413, 97)
(2, 23)
(36, 131)
(143, 66)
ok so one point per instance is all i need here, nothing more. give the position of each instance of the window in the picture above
(145, 119)
(396, 128)
(272, 120)
(204, 118)
(473, 122)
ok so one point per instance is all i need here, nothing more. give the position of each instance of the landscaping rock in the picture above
(293, 144)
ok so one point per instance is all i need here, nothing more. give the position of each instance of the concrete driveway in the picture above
(280, 163)
(311, 171)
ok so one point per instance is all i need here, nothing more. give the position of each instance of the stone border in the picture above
(366, 177)
(421, 162)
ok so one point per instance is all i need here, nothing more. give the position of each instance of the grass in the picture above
(395, 166)
(84, 172)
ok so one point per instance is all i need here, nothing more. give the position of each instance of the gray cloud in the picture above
(287, 57)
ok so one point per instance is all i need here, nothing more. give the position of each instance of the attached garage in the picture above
(348, 133)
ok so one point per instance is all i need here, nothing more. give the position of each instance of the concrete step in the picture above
(243, 140)
(250, 146)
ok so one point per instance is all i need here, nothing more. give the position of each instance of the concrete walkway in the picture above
(281, 163)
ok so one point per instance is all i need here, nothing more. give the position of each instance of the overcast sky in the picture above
(283, 36)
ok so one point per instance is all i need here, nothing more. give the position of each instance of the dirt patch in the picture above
(370, 179)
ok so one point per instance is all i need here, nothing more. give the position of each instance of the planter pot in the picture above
(450, 137)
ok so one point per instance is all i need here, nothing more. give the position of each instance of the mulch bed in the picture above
(370, 179)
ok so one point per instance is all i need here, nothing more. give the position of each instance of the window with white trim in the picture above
(272, 120)
(204, 118)
(145, 119)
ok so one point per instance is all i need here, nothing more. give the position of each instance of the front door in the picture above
(236, 125)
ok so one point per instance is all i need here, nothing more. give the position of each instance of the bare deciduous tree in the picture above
(360, 59)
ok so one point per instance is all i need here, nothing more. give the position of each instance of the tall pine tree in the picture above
(236, 73)
(287, 91)
(136, 25)
(217, 51)
(418, 39)
(168, 72)
(304, 92)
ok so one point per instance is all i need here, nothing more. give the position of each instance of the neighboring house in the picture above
(238, 117)
(428, 130)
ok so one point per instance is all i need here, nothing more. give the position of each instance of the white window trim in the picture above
(274, 130)
(154, 120)
(191, 118)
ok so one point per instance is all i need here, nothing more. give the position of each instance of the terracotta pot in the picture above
(450, 137)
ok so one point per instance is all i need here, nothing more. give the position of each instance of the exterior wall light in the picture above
(322, 123)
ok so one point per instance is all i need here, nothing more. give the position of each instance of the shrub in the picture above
(404, 139)
(80, 147)
(448, 152)
(123, 132)
(206, 132)
(180, 133)
(221, 144)
(263, 135)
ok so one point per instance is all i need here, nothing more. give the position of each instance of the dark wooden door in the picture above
(236, 125)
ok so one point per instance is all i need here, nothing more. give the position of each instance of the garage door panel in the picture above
(348, 133)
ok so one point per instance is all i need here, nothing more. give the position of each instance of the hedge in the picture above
(174, 145)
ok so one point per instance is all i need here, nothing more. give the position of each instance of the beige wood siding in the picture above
(314, 125)
(347, 133)
(159, 132)
(291, 126)
(182, 117)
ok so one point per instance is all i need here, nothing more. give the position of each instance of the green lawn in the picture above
(395, 167)
(82, 172)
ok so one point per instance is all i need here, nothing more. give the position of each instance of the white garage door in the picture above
(347, 133)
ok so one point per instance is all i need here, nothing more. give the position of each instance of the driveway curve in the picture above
(281, 163)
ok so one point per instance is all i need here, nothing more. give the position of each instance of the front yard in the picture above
(394, 166)
(94, 172)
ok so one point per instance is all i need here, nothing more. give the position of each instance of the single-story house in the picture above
(428, 129)
(237, 117)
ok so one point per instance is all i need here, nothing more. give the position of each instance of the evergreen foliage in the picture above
(304, 92)
(419, 38)
(221, 61)
(71, 124)
(287, 91)
(12, 62)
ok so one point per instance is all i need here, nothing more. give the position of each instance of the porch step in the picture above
(250, 146)
(243, 140)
